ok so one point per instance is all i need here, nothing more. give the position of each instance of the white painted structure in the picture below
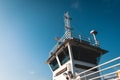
(75, 57)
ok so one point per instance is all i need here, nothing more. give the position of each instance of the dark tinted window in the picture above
(82, 54)
(54, 64)
(64, 56)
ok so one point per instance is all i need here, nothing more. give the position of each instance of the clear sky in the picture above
(28, 28)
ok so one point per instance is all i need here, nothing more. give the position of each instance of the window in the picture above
(82, 54)
(64, 56)
(54, 64)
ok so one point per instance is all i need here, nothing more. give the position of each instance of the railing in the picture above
(108, 70)
(77, 36)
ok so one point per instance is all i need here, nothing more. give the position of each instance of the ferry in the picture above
(76, 57)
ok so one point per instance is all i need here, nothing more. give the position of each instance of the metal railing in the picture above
(107, 70)
(73, 35)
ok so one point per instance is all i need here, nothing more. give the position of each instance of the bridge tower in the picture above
(73, 54)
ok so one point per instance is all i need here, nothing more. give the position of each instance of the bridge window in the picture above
(82, 54)
(53, 64)
(64, 56)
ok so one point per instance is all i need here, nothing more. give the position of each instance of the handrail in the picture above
(103, 75)
(100, 65)
(62, 39)
(102, 70)
(99, 71)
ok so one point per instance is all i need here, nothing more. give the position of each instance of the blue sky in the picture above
(28, 28)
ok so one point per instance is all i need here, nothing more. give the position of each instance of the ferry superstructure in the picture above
(76, 57)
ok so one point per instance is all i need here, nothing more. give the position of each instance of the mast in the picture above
(68, 32)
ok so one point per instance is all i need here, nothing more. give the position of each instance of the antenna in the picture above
(94, 33)
(67, 20)
(67, 24)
